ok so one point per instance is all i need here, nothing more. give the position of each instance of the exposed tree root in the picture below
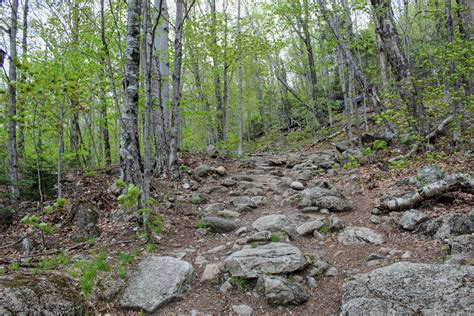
(453, 182)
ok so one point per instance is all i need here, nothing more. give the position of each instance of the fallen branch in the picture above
(453, 182)
(13, 244)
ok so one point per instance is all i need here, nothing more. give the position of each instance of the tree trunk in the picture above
(129, 143)
(240, 149)
(24, 48)
(226, 85)
(162, 46)
(175, 114)
(217, 79)
(406, 86)
(12, 76)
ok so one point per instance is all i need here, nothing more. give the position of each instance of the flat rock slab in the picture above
(281, 291)
(359, 236)
(273, 258)
(157, 281)
(411, 289)
(42, 295)
(411, 219)
(273, 223)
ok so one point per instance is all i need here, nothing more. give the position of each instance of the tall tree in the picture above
(12, 94)
(132, 167)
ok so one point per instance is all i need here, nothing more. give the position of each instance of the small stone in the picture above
(324, 211)
(214, 207)
(241, 231)
(332, 272)
(221, 171)
(407, 255)
(211, 272)
(411, 219)
(376, 211)
(228, 214)
(200, 260)
(219, 224)
(335, 223)
(216, 249)
(186, 186)
(311, 282)
(375, 219)
(226, 287)
(309, 227)
(296, 185)
(242, 310)
(310, 209)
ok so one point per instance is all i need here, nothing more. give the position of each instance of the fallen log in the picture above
(453, 182)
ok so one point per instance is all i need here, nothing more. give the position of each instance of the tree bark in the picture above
(175, 113)
(12, 76)
(405, 81)
(131, 165)
(24, 48)
(240, 149)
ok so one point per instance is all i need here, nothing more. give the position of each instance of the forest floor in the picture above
(269, 176)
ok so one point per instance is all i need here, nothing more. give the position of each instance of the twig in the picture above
(13, 244)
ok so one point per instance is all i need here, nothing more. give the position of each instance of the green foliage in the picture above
(201, 225)
(183, 168)
(90, 174)
(195, 199)
(324, 229)
(238, 281)
(379, 144)
(129, 199)
(55, 261)
(120, 184)
(88, 271)
(57, 207)
(14, 266)
(400, 164)
(353, 163)
(275, 238)
(35, 221)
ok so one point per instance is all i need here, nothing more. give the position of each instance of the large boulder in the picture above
(359, 236)
(85, 219)
(321, 197)
(450, 225)
(281, 291)
(428, 175)
(39, 295)
(411, 289)
(157, 281)
(273, 223)
(273, 258)
(203, 171)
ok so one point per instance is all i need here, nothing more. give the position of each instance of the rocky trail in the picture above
(288, 234)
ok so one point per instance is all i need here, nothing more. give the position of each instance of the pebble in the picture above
(311, 282)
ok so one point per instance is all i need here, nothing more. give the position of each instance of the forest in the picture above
(258, 144)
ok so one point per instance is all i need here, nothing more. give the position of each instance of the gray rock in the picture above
(311, 282)
(359, 236)
(296, 185)
(281, 291)
(320, 197)
(264, 235)
(39, 295)
(212, 272)
(157, 281)
(226, 286)
(203, 171)
(214, 207)
(243, 203)
(259, 200)
(228, 182)
(335, 223)
(219, 224)
(324, 159)
(462, 249)
(411, 289)
(274, 258)
(344, 145)
(309, 227)
(242, 310)
(411, 219)
(319, 267)
(212, 151)
(273, 223)
(332, 272)
(221, 171)
(310, 209)
(109, 286)
(85, 219)
(428, 175)
(450, 225)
